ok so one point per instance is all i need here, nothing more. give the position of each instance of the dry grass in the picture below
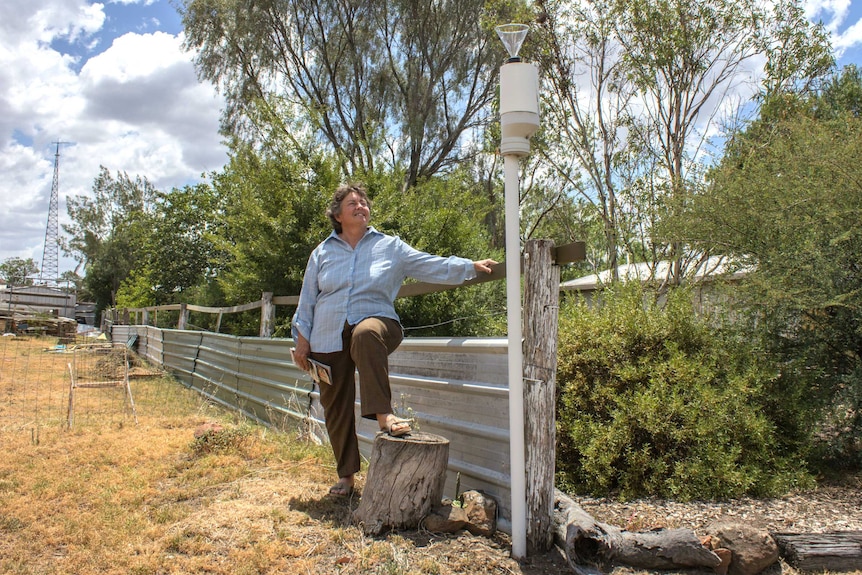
(114, 497)
(35, 377)
(110, 496)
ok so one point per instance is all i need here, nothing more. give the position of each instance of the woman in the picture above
(346, 319)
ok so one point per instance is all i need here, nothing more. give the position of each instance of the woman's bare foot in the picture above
(394, 426)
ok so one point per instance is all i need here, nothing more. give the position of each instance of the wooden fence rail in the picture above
(568, 253)
(268, 303)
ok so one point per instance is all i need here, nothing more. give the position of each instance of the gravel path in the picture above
(830, 508)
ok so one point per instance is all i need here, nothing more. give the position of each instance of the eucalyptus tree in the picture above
(177, 253)
(582, 60)
(17, 271)
(637, 90)
(107, 231)
(400, 85)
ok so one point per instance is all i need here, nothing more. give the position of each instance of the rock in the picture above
(474, 512)
(714, 545)
(753, 550)
(481, 513)
(445, 519)
(726, 555)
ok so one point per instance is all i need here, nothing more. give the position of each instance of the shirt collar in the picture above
(370, 230)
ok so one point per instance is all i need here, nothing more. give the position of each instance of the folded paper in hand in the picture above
(320, 372)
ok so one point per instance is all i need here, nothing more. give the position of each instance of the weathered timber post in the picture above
(184, 316)
(541, 311)
(831, 551)
(146, 316)
(406, 476)
(267, 315)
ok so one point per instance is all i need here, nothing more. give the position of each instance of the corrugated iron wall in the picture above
(453, 387)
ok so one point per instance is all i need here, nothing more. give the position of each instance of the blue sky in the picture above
(112, 79)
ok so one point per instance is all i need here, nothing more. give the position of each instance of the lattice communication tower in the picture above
(50, 252)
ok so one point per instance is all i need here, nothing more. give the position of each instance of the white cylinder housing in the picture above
(519, 106)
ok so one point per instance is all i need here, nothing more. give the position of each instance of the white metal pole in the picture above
(519, 119)
(517, 457)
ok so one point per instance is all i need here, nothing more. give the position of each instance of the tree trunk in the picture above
(589, 543)
(405, 481)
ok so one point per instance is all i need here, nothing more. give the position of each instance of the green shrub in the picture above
(652, 401)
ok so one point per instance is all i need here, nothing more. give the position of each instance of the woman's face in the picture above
(354, 211)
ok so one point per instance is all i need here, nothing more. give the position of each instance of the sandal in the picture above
(402, 424)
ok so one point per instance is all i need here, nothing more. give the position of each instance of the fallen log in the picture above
(589, 544)
(835, 551)
(406, 476)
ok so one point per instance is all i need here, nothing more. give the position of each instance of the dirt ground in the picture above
(146, 499)
(119, 496)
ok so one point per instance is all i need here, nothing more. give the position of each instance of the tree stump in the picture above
(405, 481)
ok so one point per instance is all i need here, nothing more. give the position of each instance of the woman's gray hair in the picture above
(342, 192)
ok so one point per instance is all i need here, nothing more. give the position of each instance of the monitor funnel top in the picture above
(512, 36)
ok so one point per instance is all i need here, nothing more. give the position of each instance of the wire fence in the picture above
(45, 384)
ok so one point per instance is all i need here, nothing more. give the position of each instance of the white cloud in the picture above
(837, 17)
(831, 12)
(851, 37)
(136, 107)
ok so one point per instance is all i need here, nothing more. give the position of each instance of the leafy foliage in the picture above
(654, 402)
(16, 271)
(272, 215)
(177, 253)
(787, 201)
(107, 232)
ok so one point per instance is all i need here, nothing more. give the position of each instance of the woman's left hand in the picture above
(301, 353)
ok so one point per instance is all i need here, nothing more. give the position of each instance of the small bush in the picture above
(652, 401)
(214, 438)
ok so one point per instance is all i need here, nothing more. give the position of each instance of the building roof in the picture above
(712, 267)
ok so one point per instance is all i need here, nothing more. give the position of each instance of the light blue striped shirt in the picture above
(343, 284)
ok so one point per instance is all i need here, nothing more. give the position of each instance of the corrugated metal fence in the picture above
(453, 387)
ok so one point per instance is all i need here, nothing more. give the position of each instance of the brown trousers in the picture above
(366, 347)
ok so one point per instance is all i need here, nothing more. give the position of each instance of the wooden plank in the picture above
(98, 384)
(285, 300)
(570, 253)
(834, 551)
(498, 272)
(233, 309)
